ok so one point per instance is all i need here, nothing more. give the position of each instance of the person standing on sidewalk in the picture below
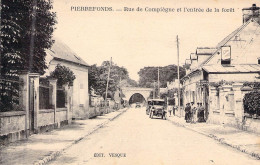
(202, 115)
(187, 112)
(193, 112)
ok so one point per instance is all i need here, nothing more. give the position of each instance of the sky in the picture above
(136, 39)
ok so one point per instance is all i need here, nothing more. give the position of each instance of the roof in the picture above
(193, 56)
(205, 50)
(228, 38)
(219, 69)
(188, 61)
(254, 7)
(61, 51)
(243, 68)
(231, 35)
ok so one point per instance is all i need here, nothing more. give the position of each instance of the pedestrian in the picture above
(187, 112)
(169, 110)
(169, 107)
(201, 113)
(193, 113)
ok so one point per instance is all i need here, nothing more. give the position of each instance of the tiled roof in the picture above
(61, 51)
(243, 68)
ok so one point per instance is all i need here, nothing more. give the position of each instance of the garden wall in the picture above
(226, 107)
(12, 126)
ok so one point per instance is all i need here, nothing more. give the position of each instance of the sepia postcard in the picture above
(130, 82)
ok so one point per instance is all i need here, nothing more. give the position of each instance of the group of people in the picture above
(194, 113)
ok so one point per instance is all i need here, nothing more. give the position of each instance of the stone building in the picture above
(216, 75)
(63, 55)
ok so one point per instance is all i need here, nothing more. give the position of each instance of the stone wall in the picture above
(226, 107)
(46, 117)
(12, 126)
(17, 125)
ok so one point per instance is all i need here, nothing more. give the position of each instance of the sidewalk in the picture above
(235, 138)
(41, 148)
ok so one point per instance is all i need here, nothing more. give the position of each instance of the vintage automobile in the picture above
(158, 109)
(148, 107)
(137, 105)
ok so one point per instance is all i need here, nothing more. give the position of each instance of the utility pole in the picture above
(178, 75)
(108, 82)
(154, 90)
(158, 82)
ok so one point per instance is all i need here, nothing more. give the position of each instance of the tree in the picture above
(16, 32)
(98, 78)
(63, 75)
(149, 75)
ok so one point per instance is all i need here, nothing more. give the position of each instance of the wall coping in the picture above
(46, 110)
(61, 109)
(12, 113)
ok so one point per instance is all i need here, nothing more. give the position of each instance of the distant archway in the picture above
(130, 91)
(136, 97)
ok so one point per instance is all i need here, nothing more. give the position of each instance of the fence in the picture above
(61, 98)
(39, 110)
(9, 95)
(227, 107)
(44, 94)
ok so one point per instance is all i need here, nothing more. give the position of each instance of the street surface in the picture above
(135, 139)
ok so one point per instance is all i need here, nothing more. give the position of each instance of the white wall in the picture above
(80, 103)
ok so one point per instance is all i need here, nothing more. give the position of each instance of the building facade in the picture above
(63, 55)
(215, 73)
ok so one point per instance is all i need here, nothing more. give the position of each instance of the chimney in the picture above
(251, 12)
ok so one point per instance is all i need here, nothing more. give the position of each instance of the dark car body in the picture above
(137, 105)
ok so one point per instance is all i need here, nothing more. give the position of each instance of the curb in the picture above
(221, 140)
(55, 154)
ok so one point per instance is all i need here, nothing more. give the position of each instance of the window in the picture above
(258, 60)
(225, 55)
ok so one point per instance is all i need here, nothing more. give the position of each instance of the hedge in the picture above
(251, 103)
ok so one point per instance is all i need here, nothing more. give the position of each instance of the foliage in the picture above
(255, 85)
(16, 32)
(63, 75)
(16, 22)
(98, 78)
(252, 103)
(9, 95)
(149, 75)
(221, 83)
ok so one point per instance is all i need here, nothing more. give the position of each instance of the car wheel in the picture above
(151, 116)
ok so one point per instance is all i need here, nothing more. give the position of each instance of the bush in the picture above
(251, 103)
(63, 75)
